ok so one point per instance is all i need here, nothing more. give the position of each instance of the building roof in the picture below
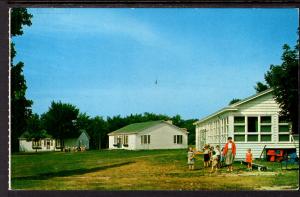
(26, 134)
(234, 106)
(139, 127)
(84, 131)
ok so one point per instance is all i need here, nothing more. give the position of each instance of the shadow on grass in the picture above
(63, 173)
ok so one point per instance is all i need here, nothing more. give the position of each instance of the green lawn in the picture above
(137, 170)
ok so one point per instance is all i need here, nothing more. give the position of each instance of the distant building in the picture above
(149, 135)
(252, 123)
(50, 144)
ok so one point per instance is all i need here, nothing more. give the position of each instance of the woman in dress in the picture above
(229, 153)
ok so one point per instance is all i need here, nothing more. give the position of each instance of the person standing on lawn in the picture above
(249, 159)
(218, 153)
(191, 158)
(229, 153)
(206, 156)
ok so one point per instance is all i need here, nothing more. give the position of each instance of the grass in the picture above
(138, 170)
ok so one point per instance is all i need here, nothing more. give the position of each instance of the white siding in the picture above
(131, 142)
(162, 137)
(264, 105)
(26, 146)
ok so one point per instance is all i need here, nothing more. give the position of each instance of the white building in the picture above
(45, 144)
(149, 135)
(51, 144)
(252, 123)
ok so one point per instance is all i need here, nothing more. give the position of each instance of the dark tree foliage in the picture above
(260, 87)
(60, 121)
(20, 106)
(235, 100)
(19, 18)
(284, 80)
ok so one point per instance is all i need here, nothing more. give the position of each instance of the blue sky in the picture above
(106, 61)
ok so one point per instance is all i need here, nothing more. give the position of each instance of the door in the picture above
(48, 144)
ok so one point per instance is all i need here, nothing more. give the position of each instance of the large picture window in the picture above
(253, 128)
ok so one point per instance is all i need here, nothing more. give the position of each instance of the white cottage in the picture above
(45, 144)
(82, 141)
(50, 144)
(253, 123)
(149, 135)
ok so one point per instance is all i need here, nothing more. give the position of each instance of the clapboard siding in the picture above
(260, 105)
(162, 137)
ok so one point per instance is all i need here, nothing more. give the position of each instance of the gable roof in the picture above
(84, 131)
(234, 106)
(26, 134)
(139, 127)
(136, 127)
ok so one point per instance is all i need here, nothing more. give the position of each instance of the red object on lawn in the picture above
(272, 158)
(271, 152)
(280, 153)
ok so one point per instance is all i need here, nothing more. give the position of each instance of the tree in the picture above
(20, 106)
(260, 87)
(60, 121)
(35, 130)
(98, 131)
(235, 100)
(284, 80)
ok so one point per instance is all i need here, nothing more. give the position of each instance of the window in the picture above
(239, 124)
(36, 143)
(51, 142)
(252, 124)
(265, 138)
(252, 138)
(265, 128)
(145, 139)
(284, 128)
(125, 139)
(239, 138)
(177, 139)
(265, 119)
(284, 138)
(239, 129)
(45, 143)
(239, 119)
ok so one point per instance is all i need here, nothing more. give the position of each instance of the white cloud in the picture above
(93, 22)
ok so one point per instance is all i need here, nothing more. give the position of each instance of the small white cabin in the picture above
(149, 135)
(51, 144)
(45, 144)
(252, 123)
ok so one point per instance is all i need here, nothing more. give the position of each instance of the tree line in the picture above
(64, 120)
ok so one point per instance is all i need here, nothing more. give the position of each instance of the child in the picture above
(206, 156)
(249, 159)
(214, 160)
(218, 153)
(191, 158)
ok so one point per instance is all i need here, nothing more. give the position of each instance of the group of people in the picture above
(74, 149)
(216, 158)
